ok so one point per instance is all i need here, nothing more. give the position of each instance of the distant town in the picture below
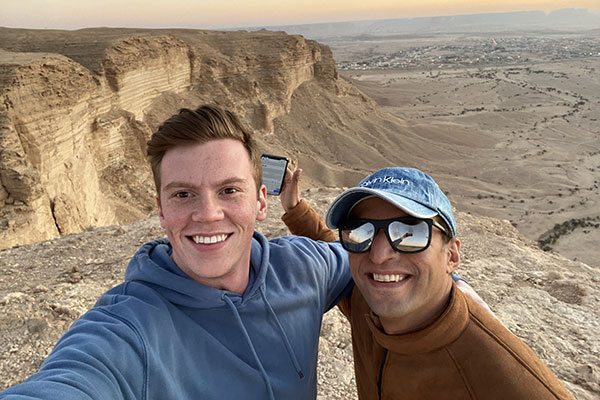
(481, 52)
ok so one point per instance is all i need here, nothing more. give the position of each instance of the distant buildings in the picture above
(482, 51)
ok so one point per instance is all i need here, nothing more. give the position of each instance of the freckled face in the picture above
(209, 206)
(404, 290)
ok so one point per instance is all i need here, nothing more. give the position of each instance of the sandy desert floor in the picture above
(523, 142)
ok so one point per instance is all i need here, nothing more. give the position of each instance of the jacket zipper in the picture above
(385, 352)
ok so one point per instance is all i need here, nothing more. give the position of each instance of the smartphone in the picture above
(273, 172)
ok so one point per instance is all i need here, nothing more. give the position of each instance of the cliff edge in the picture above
(77, 108)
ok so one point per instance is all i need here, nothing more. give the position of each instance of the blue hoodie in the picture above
(162, 335)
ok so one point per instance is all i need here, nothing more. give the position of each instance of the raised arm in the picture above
(300, 218)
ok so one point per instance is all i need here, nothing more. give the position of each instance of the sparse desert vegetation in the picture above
(526, 130)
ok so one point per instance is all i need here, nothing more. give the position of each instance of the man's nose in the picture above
(381, 250)
(206, 209)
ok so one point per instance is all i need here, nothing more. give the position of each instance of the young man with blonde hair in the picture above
(216, 311)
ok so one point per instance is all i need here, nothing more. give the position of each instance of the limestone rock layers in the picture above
(73, 133)
(253, 73)
(141, 68)
(45, 122)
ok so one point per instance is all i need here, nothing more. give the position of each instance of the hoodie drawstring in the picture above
(260, 366)
(285, 338)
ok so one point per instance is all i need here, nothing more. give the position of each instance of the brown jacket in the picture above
(465, 354)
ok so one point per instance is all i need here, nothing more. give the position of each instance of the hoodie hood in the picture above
(162, 335)
(152, 265)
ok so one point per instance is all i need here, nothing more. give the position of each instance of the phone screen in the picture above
(273, 171)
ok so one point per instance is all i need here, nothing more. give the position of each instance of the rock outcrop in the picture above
(78, 107)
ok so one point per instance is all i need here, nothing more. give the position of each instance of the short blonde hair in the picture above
(206, 123)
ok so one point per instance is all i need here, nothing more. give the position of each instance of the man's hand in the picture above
(290, 196)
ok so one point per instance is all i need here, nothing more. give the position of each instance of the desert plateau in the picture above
(505, 121)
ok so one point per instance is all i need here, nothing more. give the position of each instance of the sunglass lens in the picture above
(359, 239)
(409, 237)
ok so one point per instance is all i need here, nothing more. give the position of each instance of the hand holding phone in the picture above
(290, 192)
(273, 172)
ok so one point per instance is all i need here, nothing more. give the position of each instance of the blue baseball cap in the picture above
(409, 189)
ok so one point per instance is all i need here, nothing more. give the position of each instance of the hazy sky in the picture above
(73, 14)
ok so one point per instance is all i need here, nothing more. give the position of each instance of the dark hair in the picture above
(202, 125)
(445, 236)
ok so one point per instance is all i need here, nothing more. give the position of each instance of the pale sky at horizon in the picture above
(203, 14)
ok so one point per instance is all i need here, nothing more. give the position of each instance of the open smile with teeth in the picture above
(389, 277)
(209, 239)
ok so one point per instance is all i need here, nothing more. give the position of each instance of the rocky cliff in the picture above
(78, 107)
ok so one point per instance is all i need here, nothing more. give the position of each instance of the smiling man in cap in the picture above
(414, 335)
(406, 286)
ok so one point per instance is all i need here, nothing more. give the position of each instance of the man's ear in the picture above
(452, 255)
(261, 203)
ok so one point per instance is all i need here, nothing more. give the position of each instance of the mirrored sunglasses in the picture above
(405, 234)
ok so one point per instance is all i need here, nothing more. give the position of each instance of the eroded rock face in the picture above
(74, 125)
(46, 157)
(139, 69)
